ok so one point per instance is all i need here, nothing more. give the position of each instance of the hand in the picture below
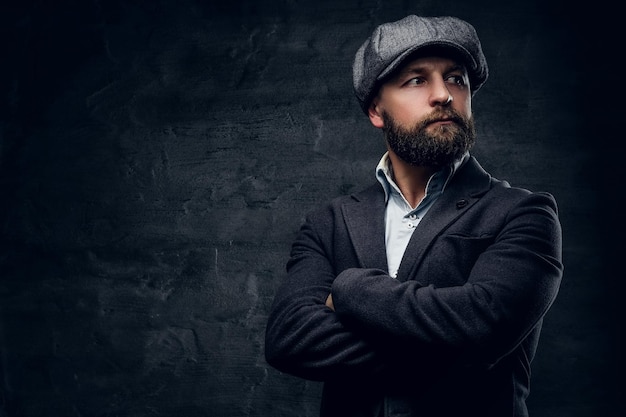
(329, 302)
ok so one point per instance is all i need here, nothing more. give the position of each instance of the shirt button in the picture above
(412, 217)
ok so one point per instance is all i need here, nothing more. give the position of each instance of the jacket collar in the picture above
(384, 174)
(364, 217)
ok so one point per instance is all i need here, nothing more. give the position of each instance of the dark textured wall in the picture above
(157, 158)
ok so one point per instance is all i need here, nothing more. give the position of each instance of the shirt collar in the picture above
(384, 174)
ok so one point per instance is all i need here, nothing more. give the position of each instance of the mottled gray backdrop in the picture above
(157, 158)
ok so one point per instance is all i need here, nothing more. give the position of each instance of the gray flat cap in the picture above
(391, 43)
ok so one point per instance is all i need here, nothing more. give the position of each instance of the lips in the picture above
(444, 121)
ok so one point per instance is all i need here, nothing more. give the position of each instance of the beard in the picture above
(441, 147)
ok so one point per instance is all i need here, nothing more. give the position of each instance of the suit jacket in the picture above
(453, 335)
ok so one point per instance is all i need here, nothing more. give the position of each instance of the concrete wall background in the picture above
(157, 158)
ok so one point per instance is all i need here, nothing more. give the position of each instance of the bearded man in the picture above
(422, 295)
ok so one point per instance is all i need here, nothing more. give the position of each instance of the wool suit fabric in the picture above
(453, 335)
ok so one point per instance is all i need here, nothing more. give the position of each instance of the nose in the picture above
(440, 95)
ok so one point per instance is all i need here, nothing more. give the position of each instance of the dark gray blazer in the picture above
(453, 335)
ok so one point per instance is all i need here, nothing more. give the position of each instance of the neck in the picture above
(411, 180)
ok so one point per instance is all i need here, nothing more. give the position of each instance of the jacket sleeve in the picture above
(511, 285)
(303, 336)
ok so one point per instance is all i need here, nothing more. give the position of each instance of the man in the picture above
(424, 294)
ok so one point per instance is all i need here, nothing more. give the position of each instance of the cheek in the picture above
(463, 106)
(409, 111)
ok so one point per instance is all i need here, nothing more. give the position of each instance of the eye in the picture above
(456, 79)
(415, 81)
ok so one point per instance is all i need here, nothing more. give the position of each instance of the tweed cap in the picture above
(391, 43)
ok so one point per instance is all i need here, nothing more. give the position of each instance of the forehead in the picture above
(427, 63)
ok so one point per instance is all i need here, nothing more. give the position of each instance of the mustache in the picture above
(447, 114)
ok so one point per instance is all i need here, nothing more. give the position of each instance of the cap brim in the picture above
(397, 62)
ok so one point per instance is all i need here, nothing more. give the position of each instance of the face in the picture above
(425, 112)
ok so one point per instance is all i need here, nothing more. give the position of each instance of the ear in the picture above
(375, 115)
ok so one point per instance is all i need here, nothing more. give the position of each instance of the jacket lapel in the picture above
(364, 217)
(464, 189)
